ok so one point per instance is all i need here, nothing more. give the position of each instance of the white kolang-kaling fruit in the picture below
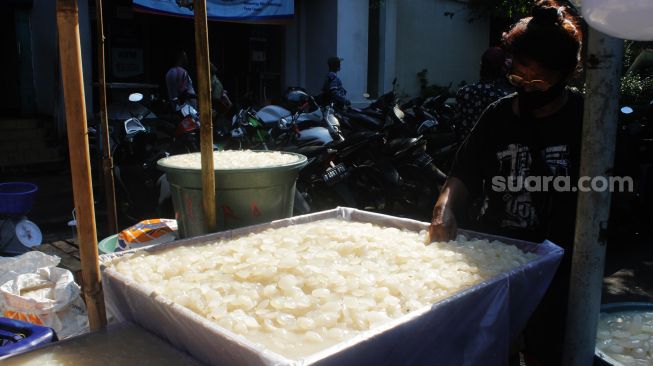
(234, 159)
(299, 289)
(627, 337)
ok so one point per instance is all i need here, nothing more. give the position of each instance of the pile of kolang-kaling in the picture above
(627, 337)
(300, 289)
(234, 159)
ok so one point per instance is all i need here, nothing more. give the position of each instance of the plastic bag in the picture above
(32, 289)
(148, 232)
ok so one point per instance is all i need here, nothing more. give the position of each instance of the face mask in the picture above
(529, 101)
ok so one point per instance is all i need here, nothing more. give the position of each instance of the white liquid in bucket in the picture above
(234, 159)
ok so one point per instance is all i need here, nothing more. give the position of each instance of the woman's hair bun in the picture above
(548, 15)
(551, 37)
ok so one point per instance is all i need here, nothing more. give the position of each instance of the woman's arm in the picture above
(452, 200)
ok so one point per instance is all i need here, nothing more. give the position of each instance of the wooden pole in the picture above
(206, 128)
(70, 56)
(107, 159)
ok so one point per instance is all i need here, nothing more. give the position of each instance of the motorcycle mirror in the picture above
(135, 97)
(626, 110)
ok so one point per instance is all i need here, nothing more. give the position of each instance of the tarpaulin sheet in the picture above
(233, 10)
(473, 327)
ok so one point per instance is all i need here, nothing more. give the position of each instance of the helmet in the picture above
(297, 100)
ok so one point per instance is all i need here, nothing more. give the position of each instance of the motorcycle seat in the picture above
(364, 120)
(363, 136)
(399, 146)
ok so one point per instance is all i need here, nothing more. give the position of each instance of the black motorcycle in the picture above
(136, 144)
(411, 180)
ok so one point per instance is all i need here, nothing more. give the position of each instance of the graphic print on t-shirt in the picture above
(516, 162)
(557, 160)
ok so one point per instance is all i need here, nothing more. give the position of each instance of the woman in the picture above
(472, 99)
(535, 132)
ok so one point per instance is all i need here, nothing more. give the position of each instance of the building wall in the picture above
(321, 40)
(413, 35)
(387, 45)
(45, 53)
(310, 40)
(352, 47)
(448, 47)
(325, 28)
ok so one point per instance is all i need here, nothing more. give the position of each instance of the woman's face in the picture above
(529, 75)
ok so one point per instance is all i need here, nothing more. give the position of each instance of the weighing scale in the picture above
(18, 235)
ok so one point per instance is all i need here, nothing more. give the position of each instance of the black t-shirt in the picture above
(503, 146)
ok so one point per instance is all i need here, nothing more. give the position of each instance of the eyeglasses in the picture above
(518, 81)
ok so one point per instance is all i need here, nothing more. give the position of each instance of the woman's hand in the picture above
(443, 225)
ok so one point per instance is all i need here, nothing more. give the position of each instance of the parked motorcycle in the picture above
(136, 144)
(411, 179)
(300, 126)
(433, 119)
(251, 132)
(310, 120)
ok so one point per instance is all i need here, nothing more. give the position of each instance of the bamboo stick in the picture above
(206, 128)
(73, 90)
(107, 159)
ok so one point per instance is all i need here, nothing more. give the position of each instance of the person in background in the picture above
(472, 99)
(179, 83)
(216, 85)
(220, 100)
(535, 132)
(332, 90)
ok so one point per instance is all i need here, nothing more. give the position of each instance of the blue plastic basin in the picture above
(16, 198)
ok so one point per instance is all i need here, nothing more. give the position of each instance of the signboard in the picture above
(230, 10)
(127, 62)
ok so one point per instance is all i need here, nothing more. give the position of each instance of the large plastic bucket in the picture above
(243, 197)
